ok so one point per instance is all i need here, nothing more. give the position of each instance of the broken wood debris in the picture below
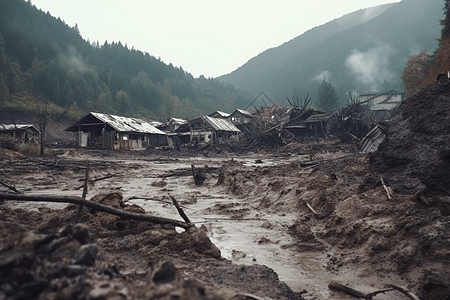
(199, 174)
(33, 163)
(188, 172)
(98, 179)
(386, 189)
(13, 188)
(180, 211)
(405, 292)
(99, 207)
(343, 288)
(310, 208)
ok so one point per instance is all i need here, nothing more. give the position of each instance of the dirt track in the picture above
(257, 215)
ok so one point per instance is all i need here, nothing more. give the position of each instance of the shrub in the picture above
(8, 142)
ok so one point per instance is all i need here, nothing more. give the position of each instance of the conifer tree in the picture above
(327, 98)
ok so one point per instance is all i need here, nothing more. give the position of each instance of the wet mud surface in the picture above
(267, 225)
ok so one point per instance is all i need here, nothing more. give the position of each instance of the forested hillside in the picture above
(41, 56)
(362, 52)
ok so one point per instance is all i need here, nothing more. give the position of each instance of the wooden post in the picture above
(80, 207)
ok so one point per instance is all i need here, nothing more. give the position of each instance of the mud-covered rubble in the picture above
(404, 240)
(107, 257)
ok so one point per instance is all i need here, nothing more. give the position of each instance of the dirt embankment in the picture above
(343, 209)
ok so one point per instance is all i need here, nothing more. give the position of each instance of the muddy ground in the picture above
(267, 225)
(281, 224)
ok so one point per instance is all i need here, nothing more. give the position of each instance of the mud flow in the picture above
(281, 224)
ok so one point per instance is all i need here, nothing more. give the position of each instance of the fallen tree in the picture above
(99, 207)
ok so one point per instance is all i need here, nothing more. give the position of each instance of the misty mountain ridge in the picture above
(42, 57)
(361, 52)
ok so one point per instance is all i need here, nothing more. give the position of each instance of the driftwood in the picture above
(94, 180)
(405, 292)
(337, 286)
(10, 187)
(99, 207)
(199, 174)
(386, 189)
(180, 211)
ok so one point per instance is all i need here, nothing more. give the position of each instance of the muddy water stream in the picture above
(254, 238)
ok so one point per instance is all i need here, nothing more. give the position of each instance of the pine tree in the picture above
(327, 98)
(445, 31)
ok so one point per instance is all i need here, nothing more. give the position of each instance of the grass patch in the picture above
(27, 103)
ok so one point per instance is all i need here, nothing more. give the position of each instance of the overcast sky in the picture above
(209, 38)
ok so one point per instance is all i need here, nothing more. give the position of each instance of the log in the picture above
(11, 188)
(337, 286)
(180, 211)
(343, 288)
(405, 292)
(99, 207)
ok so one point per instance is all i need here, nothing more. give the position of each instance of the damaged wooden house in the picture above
(103, 131)
(22, 133)
(382, 104)
(308, 123)
(207, 130)
(175, 138)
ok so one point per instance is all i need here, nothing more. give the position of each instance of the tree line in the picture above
(42, 56)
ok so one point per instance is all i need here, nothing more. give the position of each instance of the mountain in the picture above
(361, 52)
(41, 56)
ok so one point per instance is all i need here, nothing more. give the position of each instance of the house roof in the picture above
(220, 124)
(17, 127)
(177, 121)
(120, 124)
(244, 112)
(220, 113)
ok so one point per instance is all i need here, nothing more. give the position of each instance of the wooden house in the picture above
(103, 131)
(172, 125)
(308, 123)
(23, 133)
(205, 129)
(240, 116)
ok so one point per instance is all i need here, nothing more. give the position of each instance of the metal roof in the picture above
(220, 113)
(177, 121)
(14, 127)
(244, 112)
(120, 124)
(384, 106)
(220, 124)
